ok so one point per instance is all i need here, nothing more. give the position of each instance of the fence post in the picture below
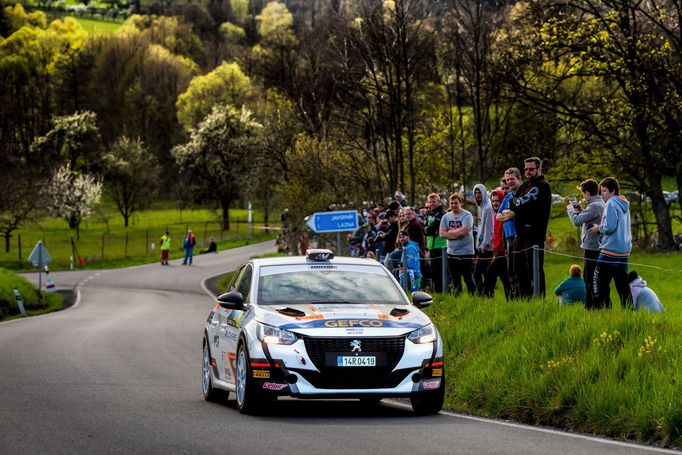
(205, 229)
(19, 246)
(125, 252)
(444, 265)
(102, 252)
(146, 243)
(537, 292)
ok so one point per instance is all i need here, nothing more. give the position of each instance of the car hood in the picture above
(344, 319)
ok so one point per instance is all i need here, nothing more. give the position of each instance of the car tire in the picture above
(248, 398)
(429, 401)
(211, 393)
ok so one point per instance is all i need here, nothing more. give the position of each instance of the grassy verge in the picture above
(34, 305)
(614, 373)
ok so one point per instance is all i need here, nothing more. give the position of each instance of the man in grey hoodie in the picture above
(484, 239)
(588, 217)
(615, 244)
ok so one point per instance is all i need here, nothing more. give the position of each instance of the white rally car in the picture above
(321, 327)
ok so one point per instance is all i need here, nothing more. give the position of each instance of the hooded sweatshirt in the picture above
(498, 229)
(616, 238)
(486, 215)
(531, 205)
(643, 297)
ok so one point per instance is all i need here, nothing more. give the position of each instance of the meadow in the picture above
(105, 242)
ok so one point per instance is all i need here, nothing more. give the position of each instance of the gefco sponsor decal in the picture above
(273, 386)
(430, 384)
(262, 374)
(336, 323)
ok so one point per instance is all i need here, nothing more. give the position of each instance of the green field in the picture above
(105, 242)
(94, 25)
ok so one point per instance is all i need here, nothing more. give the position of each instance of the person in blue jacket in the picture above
(615, 244)
(572, 289)
(410, 261)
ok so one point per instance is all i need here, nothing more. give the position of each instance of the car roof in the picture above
(295, 260)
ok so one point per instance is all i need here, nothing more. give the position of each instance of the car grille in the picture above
(333, 377)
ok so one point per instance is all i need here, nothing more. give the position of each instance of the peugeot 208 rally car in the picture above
(321, 326)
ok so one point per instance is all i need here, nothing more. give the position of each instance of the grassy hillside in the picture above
(8, 304)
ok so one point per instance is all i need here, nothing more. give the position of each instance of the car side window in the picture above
(244, 286)
(235, 279)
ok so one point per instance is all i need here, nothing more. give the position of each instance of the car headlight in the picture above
(275, 335)
(426, 334)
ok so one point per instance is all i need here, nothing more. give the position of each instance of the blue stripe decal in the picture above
(353, 324)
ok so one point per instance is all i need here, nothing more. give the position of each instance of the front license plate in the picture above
(356, 361)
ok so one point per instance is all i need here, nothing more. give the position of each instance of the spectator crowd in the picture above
(444, 247)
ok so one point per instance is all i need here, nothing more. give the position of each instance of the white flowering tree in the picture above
(72, 196)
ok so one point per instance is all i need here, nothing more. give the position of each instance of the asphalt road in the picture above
(120, 373)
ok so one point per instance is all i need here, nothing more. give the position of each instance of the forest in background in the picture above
(313, 105)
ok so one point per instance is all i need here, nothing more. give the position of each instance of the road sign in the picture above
(39, 256)
(333, 221)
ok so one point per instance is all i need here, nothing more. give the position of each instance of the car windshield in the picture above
(322, 283)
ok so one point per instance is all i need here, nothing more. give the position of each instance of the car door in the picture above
(219, 328)
(230, 327)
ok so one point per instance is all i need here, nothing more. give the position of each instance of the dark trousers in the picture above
(496, 269)
(589, 264)
(611, 268)
(522, 263)
(512, 250)
(482, 263)
(436, 256)
(461, 267)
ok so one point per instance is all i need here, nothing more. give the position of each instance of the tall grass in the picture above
(611, 372)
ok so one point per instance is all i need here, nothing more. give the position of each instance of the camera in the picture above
(574, 202)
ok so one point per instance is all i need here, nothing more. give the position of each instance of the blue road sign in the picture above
(333, 221)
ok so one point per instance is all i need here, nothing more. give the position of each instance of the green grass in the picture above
(34, 305)
(94, 25)
(613, 372)
(103, 244)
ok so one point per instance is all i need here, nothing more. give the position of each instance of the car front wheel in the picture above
(248, 399)
(429, 402)
(211, 393)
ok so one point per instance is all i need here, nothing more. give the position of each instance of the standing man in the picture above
(513, 178)
(456, 226)
(615, 246)
(434, 242)
(484, 240)
(530, 208)
(165, 247)
(400, 197)
(588, 218)
(188, 244)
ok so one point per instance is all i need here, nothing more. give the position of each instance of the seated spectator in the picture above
(642, 296)
(572, 289)
(212, 247)
(406, 278)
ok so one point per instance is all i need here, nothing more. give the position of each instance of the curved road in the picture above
(120, 373)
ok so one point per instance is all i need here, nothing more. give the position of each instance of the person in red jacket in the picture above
(498, 264)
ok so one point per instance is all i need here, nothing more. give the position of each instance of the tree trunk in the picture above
(8, 235)
(660, 208)
(225, 204)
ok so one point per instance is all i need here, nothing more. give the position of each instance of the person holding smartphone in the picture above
(588, 217)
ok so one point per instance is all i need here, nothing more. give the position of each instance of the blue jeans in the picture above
(188, 255)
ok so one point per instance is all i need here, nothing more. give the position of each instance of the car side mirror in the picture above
(421, 299)
(231, 300)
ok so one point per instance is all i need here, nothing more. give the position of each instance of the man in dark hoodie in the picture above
(530, 208)
(615, 244)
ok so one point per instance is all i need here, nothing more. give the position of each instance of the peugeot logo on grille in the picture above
(355, 344)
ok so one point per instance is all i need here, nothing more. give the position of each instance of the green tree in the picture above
(218, 156)
(130, 175)
(226, 84)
